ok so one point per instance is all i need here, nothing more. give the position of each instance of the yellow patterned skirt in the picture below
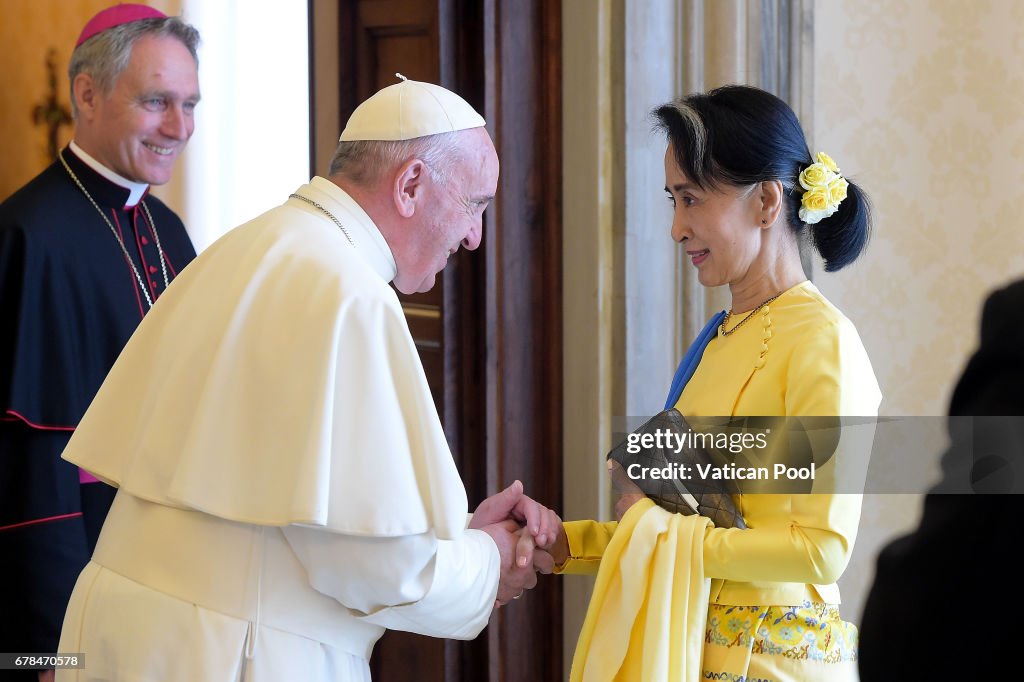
(779, 644)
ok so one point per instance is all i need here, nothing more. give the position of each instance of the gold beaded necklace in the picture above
(728, 316)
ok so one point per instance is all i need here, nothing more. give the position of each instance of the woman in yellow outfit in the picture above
(682, 599)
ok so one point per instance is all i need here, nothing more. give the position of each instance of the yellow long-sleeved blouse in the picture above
(799, 356)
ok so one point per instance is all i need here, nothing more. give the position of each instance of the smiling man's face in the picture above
(140, 127)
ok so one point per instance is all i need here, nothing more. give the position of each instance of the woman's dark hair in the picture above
(741, 135)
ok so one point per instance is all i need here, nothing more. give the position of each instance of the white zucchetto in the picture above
(408, 110)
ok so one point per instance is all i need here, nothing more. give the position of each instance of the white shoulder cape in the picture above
(276, 382)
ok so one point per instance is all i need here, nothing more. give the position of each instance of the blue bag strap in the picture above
(691, 359)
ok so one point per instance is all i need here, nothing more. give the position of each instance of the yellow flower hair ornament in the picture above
(824, 189)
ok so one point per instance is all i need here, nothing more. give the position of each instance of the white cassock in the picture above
(286, 490)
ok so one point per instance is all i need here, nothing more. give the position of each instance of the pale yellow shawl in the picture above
(647, 617)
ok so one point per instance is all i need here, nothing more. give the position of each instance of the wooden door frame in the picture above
(502, 306)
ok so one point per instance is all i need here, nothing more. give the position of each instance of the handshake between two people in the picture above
(529, 536)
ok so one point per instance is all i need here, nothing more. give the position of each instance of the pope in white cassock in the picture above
(285, 488)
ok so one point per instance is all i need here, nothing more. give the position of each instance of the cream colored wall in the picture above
(921, 102)
(28, 29)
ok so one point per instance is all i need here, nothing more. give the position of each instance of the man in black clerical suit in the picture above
(942, 606)
(85, 251)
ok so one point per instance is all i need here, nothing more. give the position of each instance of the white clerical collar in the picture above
(136, 190)
(365, 235)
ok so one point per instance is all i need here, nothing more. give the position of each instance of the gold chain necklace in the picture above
(117, 236)
(728, 316)
(329, 215)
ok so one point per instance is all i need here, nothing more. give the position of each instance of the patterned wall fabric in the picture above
(921, 102)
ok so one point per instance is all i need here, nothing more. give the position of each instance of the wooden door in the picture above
(489, 333)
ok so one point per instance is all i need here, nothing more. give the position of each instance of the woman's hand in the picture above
(558, 550)
(622, 485)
